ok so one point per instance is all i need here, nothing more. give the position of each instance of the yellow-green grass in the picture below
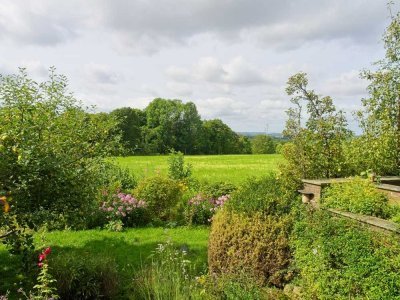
(129, 249)
(229, 168)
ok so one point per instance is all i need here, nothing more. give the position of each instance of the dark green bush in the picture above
(257, 244)
(337, 259)
(161, 195)
(357, 196)
(85, 277)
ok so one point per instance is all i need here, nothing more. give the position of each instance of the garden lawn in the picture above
(129, 249)
(212, 168)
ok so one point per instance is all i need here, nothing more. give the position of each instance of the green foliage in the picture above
(85, 277)
(316, 148)
(44, 289)
(338, 260)
(262, 144)
(257, 245)
(114, 177)
(50, 148)
(357, 196)
(114, 225)
(235, 286)
(177, 170)
(172, 124)
(379, 145)
(217, 189)
(161, 195)
(218, 138)
(266, 195)
(130, 123)
(244, 145)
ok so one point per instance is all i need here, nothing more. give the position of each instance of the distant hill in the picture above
(252, 134)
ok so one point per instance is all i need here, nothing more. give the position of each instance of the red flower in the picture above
(42, 257)
(47, 251)
(40, 264)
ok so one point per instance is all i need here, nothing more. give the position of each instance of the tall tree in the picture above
(218, 138)
(172, 124)
(380, 117)
(316, 149)
(130, 122)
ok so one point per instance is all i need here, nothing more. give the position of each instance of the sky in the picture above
(232, 58)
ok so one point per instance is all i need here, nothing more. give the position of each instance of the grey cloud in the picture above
(148, 26)
(278, 24)
(38, 22)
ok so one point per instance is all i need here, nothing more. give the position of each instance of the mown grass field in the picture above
(229, 168)
(128, 249)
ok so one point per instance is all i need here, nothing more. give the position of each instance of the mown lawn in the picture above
(129, 249)
(230, 168)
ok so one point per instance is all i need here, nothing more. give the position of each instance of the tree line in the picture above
(171, 124)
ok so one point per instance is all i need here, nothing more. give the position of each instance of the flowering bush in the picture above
(125, 208)
(201, 209)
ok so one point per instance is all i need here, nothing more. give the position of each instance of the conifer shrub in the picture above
(251, 232)
(258, 245)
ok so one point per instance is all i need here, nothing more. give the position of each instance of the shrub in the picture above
(115, 178)
(126, 209)
(337, 259)
(257, 244)
(217, 189)
(161, 195)
(85, 277)
(200, 210)
(357, 196)
(177, 170)
(266, 195)
(51, 148)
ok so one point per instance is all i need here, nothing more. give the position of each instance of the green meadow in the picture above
(229, 168)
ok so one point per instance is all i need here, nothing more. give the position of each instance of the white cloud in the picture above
(346, 84)
(101, 74)
(221, 107)
(179, 89)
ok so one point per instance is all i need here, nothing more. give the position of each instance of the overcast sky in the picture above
(232, 58)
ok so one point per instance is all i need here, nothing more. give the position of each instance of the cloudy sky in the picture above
(231, 58)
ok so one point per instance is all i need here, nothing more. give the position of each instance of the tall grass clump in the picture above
(168, 276)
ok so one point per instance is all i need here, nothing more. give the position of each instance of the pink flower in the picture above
(40, 264)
